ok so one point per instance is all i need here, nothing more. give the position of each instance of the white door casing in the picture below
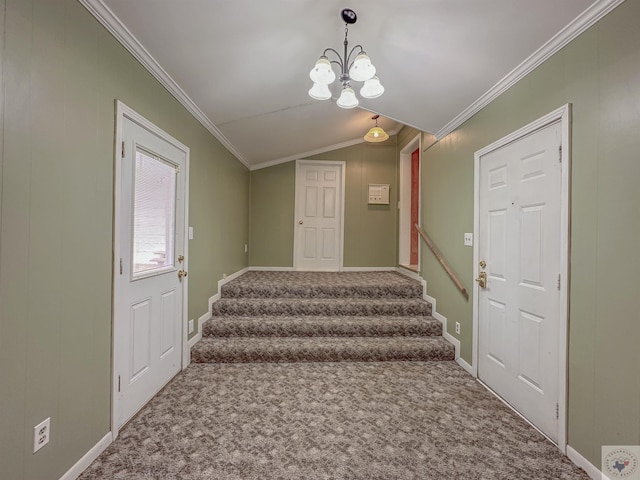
(520, 318)
(404, 228)
(150, 249)
(319, 215)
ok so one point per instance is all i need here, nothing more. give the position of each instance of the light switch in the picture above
(190, 233)
(468, 239)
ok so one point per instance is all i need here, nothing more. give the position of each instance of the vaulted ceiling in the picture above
(242, 66)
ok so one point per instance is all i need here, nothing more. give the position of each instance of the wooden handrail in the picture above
(442, 261)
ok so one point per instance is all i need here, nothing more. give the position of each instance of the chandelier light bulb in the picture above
(362, 68)
(372, 88)
(347, 98)
(320, 91)
(322, 72)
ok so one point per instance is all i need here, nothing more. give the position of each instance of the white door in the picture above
(318, 229)
(520, 241)
(148, 279)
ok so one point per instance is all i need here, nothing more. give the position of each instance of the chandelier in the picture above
(360, 70)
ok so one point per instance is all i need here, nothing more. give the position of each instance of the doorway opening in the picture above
(410, 205)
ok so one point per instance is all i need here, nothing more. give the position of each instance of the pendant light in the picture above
(376, 134)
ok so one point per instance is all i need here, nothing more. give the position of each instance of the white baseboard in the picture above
(368, 269)
(225, 280)
(82, 464)
(410, 274)
(271, 269)
(585, 464)
(196, 338)
(461, 361)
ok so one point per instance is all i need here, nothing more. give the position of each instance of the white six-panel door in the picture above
(149, 293)
(520, 242)
(319, 213)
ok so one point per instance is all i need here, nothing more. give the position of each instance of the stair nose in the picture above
(302, 326)
(289, 350)
(321, 307)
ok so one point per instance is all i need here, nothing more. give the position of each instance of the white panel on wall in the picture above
(168, 315)
(140, 336)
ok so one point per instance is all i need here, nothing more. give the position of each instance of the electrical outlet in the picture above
(41, 434)
(468, 239)
(192, 326)
(458, 328)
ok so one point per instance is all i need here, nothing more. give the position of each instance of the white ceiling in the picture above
(245, 63)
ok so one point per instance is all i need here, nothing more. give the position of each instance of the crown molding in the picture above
(318, 151)
(112, 23)
(583, 21)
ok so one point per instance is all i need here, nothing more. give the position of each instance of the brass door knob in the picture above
(181, 274)
(300, 222)
(482, 279)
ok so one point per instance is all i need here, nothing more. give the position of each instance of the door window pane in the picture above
(154, 208)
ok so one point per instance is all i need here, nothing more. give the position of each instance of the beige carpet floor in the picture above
(386, 421)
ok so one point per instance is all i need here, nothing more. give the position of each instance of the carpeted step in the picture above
(353, 307)
(302, 326)
(321, 349)
(322, 285)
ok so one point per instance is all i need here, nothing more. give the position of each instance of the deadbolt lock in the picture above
(181, 274)
(180, 258)
(483, 264)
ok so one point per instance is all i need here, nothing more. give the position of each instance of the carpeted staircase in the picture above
(321, 317)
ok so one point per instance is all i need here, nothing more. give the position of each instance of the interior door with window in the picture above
(150, 268)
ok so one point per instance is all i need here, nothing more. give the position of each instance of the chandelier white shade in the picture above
(320, 91)
(347, 98)
(360, 70)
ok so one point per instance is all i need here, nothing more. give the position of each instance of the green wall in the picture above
(599, 74)
(370, 234)
(61, 73)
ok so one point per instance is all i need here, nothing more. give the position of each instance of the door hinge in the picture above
(123, 149)
(557, 411)
(120, 266)
(118, 383)
(560, 154)
(559, 283)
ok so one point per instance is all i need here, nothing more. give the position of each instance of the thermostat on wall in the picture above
(378, 194)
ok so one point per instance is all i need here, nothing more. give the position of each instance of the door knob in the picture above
(300, 222)
(182, 274)
(482, 279)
